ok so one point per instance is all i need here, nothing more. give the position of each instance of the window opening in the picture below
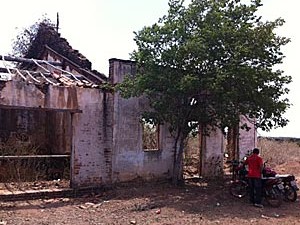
(150, 135)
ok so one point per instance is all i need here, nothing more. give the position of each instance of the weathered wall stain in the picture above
(72, 101)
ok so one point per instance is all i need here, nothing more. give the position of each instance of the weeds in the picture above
(30, 168)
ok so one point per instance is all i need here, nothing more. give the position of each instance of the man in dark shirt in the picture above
(255, 167)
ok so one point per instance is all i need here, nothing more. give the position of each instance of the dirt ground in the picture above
(197, 202)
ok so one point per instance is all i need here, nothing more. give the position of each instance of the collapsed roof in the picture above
(51, 59)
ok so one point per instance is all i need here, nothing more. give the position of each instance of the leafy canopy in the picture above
(208, 63)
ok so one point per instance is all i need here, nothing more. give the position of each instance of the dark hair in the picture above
(256, 151)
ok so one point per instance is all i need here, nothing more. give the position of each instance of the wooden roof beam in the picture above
(26, 60)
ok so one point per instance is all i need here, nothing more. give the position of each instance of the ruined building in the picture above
(63, 109)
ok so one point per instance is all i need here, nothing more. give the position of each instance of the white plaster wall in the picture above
(89, 141)
(17, 93)
(63, 97)
(92, 130)
(212, 156)
(129, 159)
(247, 139)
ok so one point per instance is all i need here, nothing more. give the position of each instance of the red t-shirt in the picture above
(254, 163)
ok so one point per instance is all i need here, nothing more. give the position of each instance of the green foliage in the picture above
(208, 63)
(22, 42)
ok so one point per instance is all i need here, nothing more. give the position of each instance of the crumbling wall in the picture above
(129, 159)
(58, 132)
(247, 137)
(212, 154)
(241, 139)
(23, 126)
(16, 93)
(48, 130)
(105, 139)
(91, 139)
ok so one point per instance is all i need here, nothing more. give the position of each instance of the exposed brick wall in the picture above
(108, 135)
(91, 139)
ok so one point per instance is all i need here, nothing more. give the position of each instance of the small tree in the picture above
(209, 63)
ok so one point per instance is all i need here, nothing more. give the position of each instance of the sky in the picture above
(103, 29)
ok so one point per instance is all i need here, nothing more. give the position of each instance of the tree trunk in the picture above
(178, 162)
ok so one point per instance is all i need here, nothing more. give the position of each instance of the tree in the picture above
(25, 38)
(207, 64)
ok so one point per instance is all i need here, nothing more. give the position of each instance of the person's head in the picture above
(255, 151)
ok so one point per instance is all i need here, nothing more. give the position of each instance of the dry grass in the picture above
(150, 136)
(278, 152)
(30, 169)
(16, 170)
(283, 155)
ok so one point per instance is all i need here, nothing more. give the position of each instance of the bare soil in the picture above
(197, 202)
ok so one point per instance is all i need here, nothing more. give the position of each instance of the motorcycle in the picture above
(272, 186)
(290, 187)
(288, 181)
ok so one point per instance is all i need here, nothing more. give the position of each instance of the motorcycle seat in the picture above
(269, 178)
(283, 175)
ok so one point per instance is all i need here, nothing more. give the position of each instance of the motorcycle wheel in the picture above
(274, 197)
(290, 194)
(238, 189)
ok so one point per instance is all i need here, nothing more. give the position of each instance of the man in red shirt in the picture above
(255, 167)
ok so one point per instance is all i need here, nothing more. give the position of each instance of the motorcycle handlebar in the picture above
(234, 162)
